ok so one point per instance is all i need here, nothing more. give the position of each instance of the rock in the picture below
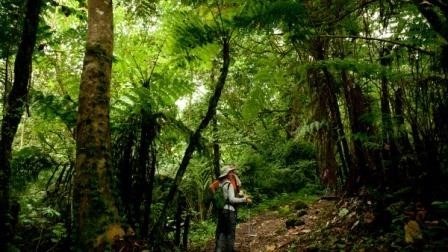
(412, 232)
(270, 248)
(298, 205)
(301, 212)
(293, 222)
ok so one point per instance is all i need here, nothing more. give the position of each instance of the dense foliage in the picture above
(349, 97)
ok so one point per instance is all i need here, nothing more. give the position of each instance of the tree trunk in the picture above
(216, 151)
(322, 82)
(15, 106)
(403, 143)
(386, 118)
(142, 168)
(178, 221)
(338, 128)
(215, 130)
(186, 232)
(150, 169)
(358, 107)
(327, 86)
(96, 216)
(6, 82)
(390, 153)
(124, 148)
(326, 160)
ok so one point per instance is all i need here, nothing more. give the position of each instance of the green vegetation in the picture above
(306, 97)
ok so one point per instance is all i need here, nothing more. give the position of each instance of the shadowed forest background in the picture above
(116, 117)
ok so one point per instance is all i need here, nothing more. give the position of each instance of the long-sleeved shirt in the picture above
(229, 195)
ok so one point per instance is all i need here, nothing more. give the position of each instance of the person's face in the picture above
(232, 175)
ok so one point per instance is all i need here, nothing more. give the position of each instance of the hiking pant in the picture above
(225, 231)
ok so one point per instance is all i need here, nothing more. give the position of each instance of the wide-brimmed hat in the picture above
(226, 169)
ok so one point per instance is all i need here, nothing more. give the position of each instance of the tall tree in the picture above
(14, 109)
(96, 215)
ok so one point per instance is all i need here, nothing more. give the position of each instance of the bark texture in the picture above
(96, 214)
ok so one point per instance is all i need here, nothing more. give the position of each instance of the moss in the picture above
(97, 51)
(299, 205)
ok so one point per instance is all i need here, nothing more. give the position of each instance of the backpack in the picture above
(219, 200)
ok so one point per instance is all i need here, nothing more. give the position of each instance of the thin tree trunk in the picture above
(338, 127)
(178, 222)
(6, 82)
(186, 232)
(150, 175)
(390, 152)
(142, 170)
(216, 151)
(147, 155)
(195, 137)
(404, 145)
(386, 118)
(125, 163)
(215, 130)
(96, 213)
(14, 109)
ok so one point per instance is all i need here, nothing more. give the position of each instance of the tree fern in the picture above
(164, 91)
(189, 31)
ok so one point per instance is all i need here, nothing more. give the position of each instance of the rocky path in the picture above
(349, 224)
(268, 231)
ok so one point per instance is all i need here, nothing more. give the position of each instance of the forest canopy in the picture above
(117, 115)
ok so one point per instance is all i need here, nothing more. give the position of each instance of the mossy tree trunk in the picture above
(14, 108)
(96, 215)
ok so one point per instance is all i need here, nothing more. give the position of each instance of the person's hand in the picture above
(248, 200)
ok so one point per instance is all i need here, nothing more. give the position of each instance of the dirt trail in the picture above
(268, 232)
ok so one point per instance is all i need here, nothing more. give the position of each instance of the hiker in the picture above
(225, 230)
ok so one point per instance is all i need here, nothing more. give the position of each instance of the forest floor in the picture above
(268, 231)
(333, 224)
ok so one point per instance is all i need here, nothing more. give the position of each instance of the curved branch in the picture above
(196, 136)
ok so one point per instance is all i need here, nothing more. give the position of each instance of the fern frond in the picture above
(258, 13)
(190, 31)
